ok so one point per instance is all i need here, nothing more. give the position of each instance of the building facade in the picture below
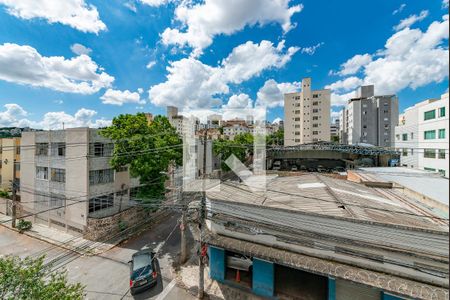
(369, 119)
(306, 115)
(422, 136)
(9, 155)
(67, 179)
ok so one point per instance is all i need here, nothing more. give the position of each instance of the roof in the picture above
(324, 195)
(427, 183)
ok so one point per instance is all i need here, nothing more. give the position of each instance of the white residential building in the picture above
(422, 136)
(369, 119)
(66, 178)
(306, 115)
(231, 130)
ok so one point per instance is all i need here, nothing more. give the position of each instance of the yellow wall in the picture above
(7, 156)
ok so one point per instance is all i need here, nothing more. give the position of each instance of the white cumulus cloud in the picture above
(116, 97)
(151, 64)
(201, 22)
(24, 65)
(354, 64)
(239, 101)
(15, 115)
(400, 9)
(271, 94)
(193, 84)
(346, 84)
(409, 21)
(74, 13)
(312, 49)
(79, 49)
(411, 58)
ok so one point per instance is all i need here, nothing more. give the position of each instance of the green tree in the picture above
(241, 147)
(276, 138)
(28, 278)
(148, 150)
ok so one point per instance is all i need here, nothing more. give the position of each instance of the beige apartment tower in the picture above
(306, 115)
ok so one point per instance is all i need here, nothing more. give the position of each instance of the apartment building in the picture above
(9, 155)
(231, 130)
(422, 136)
(369, 119)
(306, 115)
(66, 178)
(334, 130)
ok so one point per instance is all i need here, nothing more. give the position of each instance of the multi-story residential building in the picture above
(66, 178)
(422, 136)
(334, 130)
(369, 119)
(214, 121)
(306, 115)
(231, 130)
(181, 122)
(9, 155)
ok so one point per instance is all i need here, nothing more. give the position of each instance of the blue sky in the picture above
(232, 54)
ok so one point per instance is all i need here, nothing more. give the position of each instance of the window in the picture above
(441, 153)
(17, 149)
(429, 153)
(58, 149)
(42, 149)
(297, 133)
(404, 137)
(442, 112)
(315, 132)
(405, 152)
(297, 112)
(101, 202)
(297, 119)
(315, 118)
(442, 172)
(101, 176)
(412, 135)
(429, 169)
(429, 134)
(442, 133)
(429, 115)
(315, 96)
(57, 200)
(315, 125)
(386, 111)
(315, 103)
(364, 112)
(58, 175)
(297, 126)
(397, 136)
(101, 149)
(42, 173)
(315, 110)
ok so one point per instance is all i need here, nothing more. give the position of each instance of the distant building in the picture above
(306, 115)
(422, 136)
(214, 121)
(230, 130)
(369, 119)
(334, 130)
(68, 183)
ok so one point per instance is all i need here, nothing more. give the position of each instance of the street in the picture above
(106, 276)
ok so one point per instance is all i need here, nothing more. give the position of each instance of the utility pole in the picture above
(201, 282)
(14, 196)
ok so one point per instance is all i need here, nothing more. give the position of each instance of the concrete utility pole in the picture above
(201, 283)
(14, 197)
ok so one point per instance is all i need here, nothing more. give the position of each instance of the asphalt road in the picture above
(106, 276)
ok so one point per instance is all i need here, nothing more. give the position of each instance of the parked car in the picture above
(294, 168)
(339, 170)
(142, 271)
(321, 169)
(303, 168)
(312, 169)
(276, 165)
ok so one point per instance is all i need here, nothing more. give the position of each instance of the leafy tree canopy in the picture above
(28, 278)
(241, 147)
(276, 138)
(147, 148)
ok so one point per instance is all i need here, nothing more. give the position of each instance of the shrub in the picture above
(24, 225)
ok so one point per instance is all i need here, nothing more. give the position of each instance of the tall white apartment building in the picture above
(66, 178)
(422, 136)
(369, 119)
(306, 115)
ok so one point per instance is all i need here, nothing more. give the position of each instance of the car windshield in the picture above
(141, 261)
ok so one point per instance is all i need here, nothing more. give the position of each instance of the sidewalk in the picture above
(77, 243)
